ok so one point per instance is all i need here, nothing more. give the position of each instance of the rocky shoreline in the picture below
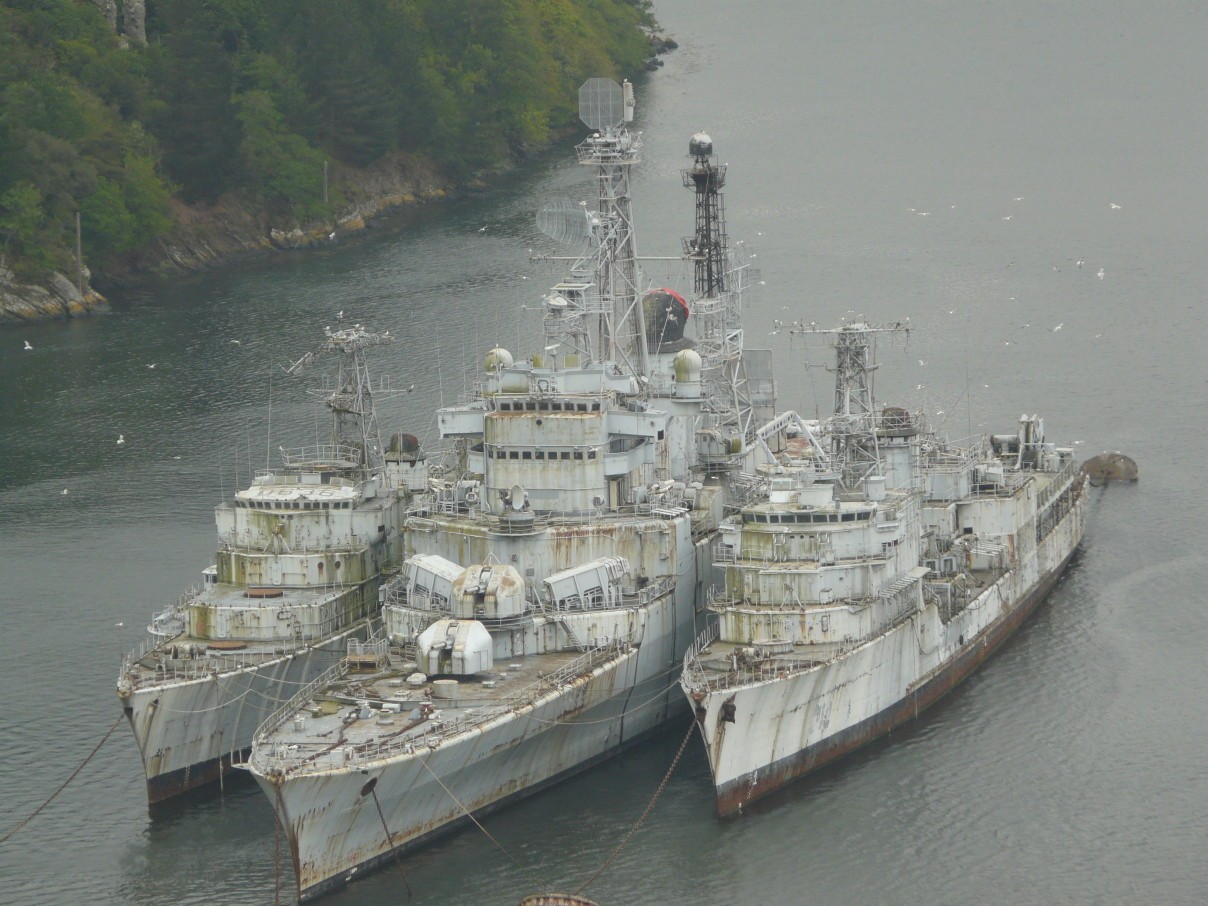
(206, 236)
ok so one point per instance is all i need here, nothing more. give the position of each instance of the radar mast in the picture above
(356, 442)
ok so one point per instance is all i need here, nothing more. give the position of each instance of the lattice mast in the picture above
(853, 424)
(708, 246)
(607, 108)
(355, 436)
(718, 283)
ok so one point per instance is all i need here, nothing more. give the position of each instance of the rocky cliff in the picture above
(207, 235)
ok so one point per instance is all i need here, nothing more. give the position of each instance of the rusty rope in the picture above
(389, 836)
(63, 785)
(469, 814)
(649, 806)
(277, 848)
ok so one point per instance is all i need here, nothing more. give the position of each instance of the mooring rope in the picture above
(469, 814)
(372, 785)
(63, 785)
(649, 806)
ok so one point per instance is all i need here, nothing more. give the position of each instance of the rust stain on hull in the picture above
(742, 791)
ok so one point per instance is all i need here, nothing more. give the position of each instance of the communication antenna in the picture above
(606, 107)
(564, 221)
(355, 439)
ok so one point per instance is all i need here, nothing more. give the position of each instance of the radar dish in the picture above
(601, 104)
(564, 221)
(518, 498)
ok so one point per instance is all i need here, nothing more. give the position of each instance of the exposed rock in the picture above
(208, 235)
(21, 302)
(134, 20)
(108, 9)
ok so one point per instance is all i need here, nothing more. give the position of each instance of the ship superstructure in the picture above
(301, 555)
(555, 565)
(875, 568)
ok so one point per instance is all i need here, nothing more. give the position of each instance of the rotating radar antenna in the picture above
(605, 106)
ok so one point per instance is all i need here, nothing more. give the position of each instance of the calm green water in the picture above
(947, 162)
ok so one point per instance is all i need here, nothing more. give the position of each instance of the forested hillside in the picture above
(104, 115)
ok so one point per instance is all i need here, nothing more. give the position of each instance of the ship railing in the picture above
(377, 646)
(669, 507)
(332, 674)
(724, 552)
(650, 592)
(195, 661)
(1057, 485)
(324, 755)
(340, 456)
(736, 672)
(694, 673)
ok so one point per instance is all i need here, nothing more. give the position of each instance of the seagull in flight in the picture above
(28, 346)
(1058, 327)
(152, 364)
(1115, 207)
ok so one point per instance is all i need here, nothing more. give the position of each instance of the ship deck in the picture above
(722, 663)
(369, 715)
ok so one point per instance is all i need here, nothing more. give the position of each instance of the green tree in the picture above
(279, 164)
(22, 224)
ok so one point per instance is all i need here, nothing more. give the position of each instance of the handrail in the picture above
(280, 756)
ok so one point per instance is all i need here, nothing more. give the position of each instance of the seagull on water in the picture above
(1100, 274)
(236, 343)
(28, 346)
(121, 439)
(63, 492)
(1115, 207)
(152, 364)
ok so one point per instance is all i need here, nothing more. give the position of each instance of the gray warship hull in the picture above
(734, 794)
(335, 829)
(764, 731)
(194, 726)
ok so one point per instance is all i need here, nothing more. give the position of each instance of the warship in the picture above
(301, 555)
(557, 561)
(877, 566)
